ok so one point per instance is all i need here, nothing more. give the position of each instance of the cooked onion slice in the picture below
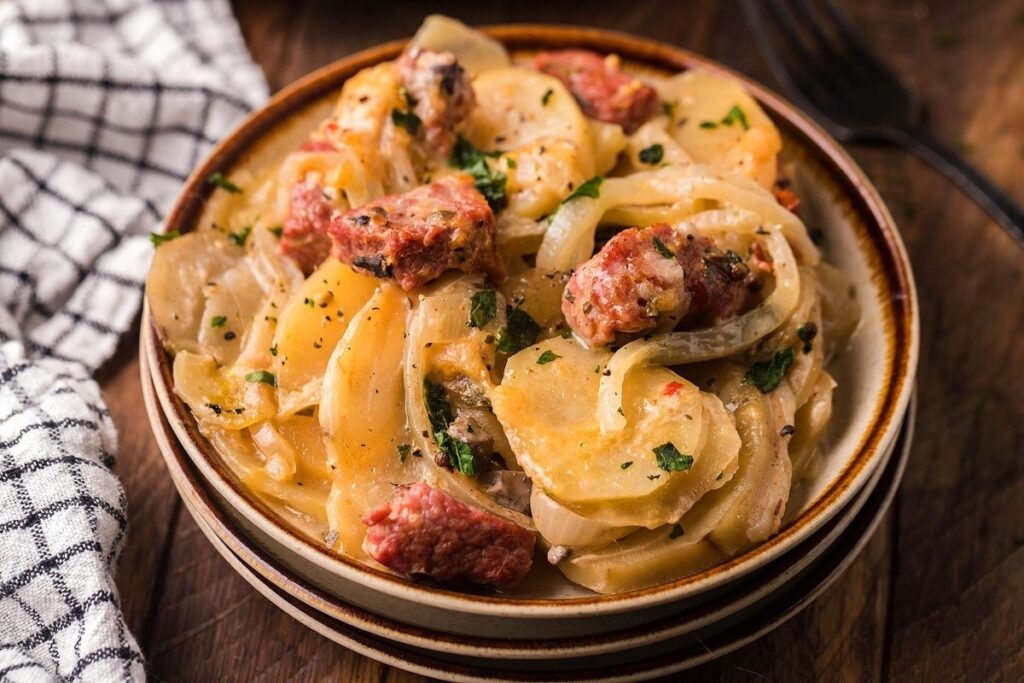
(727, 338)
(559, 525)
(569, 240)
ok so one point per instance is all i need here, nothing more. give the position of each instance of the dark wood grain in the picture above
(938, 594)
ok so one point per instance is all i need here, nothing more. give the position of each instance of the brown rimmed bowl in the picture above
(752, 607)
(875, 374)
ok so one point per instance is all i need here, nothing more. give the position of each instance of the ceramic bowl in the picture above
(752, 607)
(274, 565)
(875, 374)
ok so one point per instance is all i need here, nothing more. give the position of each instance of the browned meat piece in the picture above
(603, 91)
(644, 277)
(416, 236)
(785, 196)
(438, 91)
(425, 531)
(304, 237)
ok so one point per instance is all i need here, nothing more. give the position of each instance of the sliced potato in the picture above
(746, 143)
(548, 409)
(545, 136)
(219, 396)
(174, 287)
(310, 325)
(475, 51)
(362, 414)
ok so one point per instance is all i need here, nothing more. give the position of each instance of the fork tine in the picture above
(787, 69)
(808, 51)
(838, 51)
(855, 45)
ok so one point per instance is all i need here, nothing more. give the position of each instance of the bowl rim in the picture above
(202, 506)
(885, 251)
(821, 573)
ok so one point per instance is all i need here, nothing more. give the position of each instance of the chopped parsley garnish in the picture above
(217, 410)
(670, 459)
(766, 375)
(239, 238)
(490, 182)
(668, 108)
(736, 115)
(547, 357)
(158, 238)
(277, 230)
(653, 154)
(218, 320)
(404, 450)
(483, 306)
(662, 249)
(626, 465)
(807, 332)
(218, 180)
(406, 120)
(439, 412)
(262, 376)
(676, 532)
(273, 350)
(547, 97)
(308, 302)
(521, 331)
(708, 124)
(591, 188)
(410, 101)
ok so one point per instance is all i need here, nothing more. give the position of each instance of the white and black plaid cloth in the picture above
(105, 108)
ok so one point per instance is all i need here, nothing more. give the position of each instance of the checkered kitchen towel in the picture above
(105, 107)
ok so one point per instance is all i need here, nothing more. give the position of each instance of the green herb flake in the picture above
(668, 108)
(262, 376)
(547, 97)
(708, 124)
(736, 115)
(277, 230)
(439, 412)
(308, 302)
(239, 238)
(652, 155)
(273, 350)
(218, 180)
(807, 332)
(670, 459)
(626, 465)
(547, 357)
(662, 249)
(591, 189)
(767, 375)
(483, 306)
(407, 96)
(521, 331)
(404, 450)
(490, 182)
(158, 238)
(218, 320)
(676, 532)
(406, 120)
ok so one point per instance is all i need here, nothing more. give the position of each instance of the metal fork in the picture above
(825, 66)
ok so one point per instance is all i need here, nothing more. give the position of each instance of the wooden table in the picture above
(938, 594)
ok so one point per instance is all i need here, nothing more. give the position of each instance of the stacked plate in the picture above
(550, 629)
